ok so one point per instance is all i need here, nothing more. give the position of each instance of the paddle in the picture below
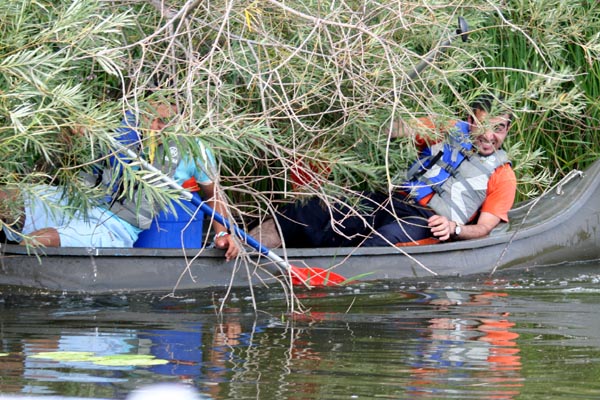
(310, 276)
(462, 31)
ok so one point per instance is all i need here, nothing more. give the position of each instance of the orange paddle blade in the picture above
(312, 276)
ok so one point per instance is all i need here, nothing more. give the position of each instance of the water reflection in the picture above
(373, 342)
(182, 348)
(428, 344)
(304, 354)
(459, 349)
(193, 359)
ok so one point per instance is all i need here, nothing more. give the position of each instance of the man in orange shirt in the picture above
(460, 188)
(475, 191)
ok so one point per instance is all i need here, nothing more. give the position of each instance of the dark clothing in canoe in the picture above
(382, 220)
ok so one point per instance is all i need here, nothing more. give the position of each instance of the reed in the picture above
(547, 59)
(269, 83)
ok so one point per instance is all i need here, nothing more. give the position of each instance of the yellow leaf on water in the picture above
(129, 360)
(118, 360)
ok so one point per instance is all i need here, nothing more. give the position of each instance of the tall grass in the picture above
(556, 38)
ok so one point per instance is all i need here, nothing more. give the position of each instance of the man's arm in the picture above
(401, 128)
(223, 240)
(501, 192)
(444, 229)
(422, 131)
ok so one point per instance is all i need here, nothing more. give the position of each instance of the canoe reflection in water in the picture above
(184, 349)
(481, 342)
(423, 343)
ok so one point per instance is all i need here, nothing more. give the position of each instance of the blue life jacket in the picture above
(127, 136)
(137, 211)
(450, 156)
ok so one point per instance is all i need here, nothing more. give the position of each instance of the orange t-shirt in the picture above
(422, 141)
(304, 175)
(501, 191)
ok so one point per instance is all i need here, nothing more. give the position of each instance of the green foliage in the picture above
(58, 62)
(268, 83)
(546, 57)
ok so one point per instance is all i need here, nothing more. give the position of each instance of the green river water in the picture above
(521, 336)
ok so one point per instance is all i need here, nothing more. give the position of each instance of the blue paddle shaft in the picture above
(220, 219)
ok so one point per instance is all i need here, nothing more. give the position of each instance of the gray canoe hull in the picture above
(560, 227)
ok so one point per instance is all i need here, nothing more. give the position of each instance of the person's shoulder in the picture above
(205, 149)
(425, 122)
(507, 168)
(505, 172)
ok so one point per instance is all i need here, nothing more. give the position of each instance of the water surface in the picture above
(532, 335)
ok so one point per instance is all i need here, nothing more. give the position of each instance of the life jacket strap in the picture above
(419, 168)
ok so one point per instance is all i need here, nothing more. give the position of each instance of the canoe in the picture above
(561, 226)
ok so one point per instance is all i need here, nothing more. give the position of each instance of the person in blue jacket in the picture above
(40, 215)
(195, 173)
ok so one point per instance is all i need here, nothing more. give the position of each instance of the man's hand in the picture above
(401, 128)
(227, 242)
(441, 227)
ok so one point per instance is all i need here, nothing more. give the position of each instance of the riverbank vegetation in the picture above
(276, 86)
